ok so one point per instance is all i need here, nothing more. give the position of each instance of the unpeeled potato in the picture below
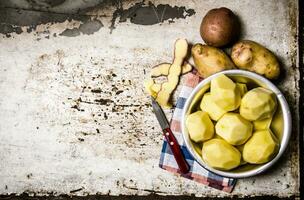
(219, 27)
(210, 60)
(254, 57)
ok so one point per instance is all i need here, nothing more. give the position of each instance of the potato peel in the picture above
(156, 87)
(180, 52)
(148, 84)
(187, 67)
(163, 69)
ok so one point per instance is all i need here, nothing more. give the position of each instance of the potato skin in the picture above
(254, 57)
(219, 27)
(210, 60)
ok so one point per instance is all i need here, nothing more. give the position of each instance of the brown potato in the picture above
(219, 27)
(209, 60)
(254, 57)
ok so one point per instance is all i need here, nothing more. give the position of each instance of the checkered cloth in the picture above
(197, 172)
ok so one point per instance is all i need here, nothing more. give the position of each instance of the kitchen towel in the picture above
(197, 172)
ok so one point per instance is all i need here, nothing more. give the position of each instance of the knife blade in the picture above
(174, 146)
(160, 115)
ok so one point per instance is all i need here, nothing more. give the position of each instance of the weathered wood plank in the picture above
(74, 114)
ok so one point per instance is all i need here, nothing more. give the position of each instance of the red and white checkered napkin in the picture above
(197, 172)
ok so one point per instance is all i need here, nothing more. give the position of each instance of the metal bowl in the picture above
(252, 80)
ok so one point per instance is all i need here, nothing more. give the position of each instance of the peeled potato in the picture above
(242, 88)
(225, 93)
(257, 104)
(233, 128)
(261, 147)
(198, 148)
(277, 124)
(199, 126)
(220, 155)
(216, 136)
(263, 124)
(197, 97)
(214, 111)
(241, 148)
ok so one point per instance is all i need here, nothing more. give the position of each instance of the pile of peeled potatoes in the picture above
(233, 123)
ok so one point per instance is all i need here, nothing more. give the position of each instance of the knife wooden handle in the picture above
(177, 152)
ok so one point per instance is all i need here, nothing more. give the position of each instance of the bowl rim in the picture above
(286, 119)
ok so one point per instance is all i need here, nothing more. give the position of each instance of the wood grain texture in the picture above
(74, 115)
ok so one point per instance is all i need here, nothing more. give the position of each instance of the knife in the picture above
(174, 146)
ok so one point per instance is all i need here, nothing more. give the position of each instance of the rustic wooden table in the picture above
(74, 118)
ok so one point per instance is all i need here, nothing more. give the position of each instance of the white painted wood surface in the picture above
(41, 147)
